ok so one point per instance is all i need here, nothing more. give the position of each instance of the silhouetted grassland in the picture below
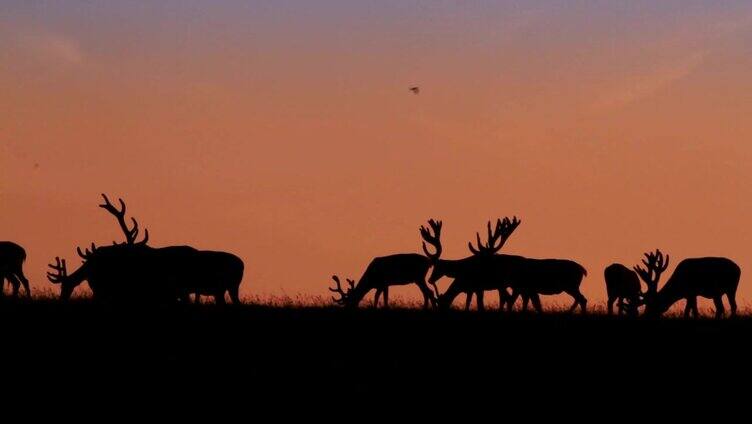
(292, 348)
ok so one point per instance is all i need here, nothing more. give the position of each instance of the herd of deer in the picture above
(168, 274)
(173, 273)
(486, 269)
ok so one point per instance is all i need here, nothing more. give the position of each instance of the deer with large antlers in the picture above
(122, 271)
(12, 258)
(111, 271)
(475, 274)
(527, 277)
(709, 277)
(394, 270)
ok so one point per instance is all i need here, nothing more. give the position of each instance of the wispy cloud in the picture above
(683, 50)
(58, 48)
(637, 87)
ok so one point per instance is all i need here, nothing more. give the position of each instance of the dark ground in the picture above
(190, 357)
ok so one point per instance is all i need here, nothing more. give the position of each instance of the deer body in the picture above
(622, 284)
(532, 277)
(209, 273)
(12, 258)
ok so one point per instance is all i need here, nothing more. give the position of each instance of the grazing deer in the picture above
(393, 270)
(117, 272)
(12, 257)
(527, 277)
(475, 274)
(622, 284)
(111, 271)
(707, 277)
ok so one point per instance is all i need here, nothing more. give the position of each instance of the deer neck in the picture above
(454, 290)
(669, 294)
(359, 292)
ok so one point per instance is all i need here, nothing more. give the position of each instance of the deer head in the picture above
(60, 276)
(343, 295)
(655, 264)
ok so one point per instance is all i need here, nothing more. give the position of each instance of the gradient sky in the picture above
(284, 131)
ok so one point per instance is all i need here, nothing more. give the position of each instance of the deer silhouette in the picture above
(111, 271)
(476, 274)
(119, 273)
(530, 277)
(12, 258)
(393, 270)
(622, 284)
(709, 277)
(527, 277)
(205, 272)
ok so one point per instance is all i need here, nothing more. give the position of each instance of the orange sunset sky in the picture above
(284, 131)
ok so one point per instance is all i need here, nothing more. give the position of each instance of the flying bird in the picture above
(415, 90)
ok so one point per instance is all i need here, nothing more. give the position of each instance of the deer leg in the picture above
(690, 307)
(579, 299)
(512, 299)
(13, 280)
(732, 302)
(634, 307)
(427, 294)
(694, 308)
(385, 296)
(468, 300)
(719, 310)
(219, 298)
(574, 304)
(25, 284)
(376, 298)
(525, 300)
(610, 305)
(503, 299)
(536, 302)
(234, 295)
(479, 301)
(24, 281)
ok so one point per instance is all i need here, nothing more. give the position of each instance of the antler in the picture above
(434, 240)
(130, 233)
(496, 239)
(655, 265)
(343, 295)
(61, 272)
(86, 254)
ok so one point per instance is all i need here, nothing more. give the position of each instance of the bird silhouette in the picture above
(415, 90)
